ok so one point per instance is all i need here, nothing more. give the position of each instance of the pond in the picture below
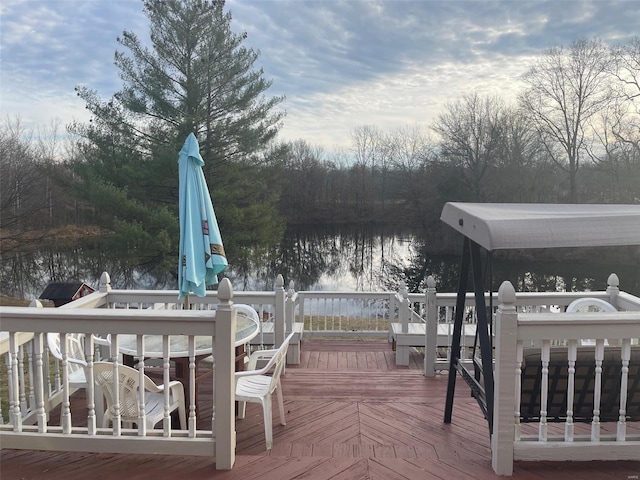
(345, 259)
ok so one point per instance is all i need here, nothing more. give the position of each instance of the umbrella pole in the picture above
(186, 303)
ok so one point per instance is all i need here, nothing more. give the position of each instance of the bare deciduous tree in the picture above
(470, 134)
(626, 70)
(565, 90)
(368, 151)
(18, 184)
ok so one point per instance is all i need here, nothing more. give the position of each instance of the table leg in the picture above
(240, 356)
(128, 360)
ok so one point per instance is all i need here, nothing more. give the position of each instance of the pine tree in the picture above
(195, 76)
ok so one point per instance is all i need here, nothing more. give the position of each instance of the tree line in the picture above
(573, 135)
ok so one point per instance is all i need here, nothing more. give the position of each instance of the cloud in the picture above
(340, 63)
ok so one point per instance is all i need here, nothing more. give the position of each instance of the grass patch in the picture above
(320, 323)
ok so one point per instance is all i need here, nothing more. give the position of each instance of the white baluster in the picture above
(597, 391)
(115, 353)
(91, 388)
(38, 347)
(544, 391)
(142, 413)
(32, 395)
(65, 416)
(519, 356)
(23, 396)
(192, 386)
(572, 353)
(165, 370)
(625, 354)
(14, 402)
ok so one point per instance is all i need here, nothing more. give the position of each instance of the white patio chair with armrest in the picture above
(75, 363)
(590, 304)
(258, 385)
(128, 386)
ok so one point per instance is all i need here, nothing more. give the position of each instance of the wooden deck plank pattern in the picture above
(351, 414)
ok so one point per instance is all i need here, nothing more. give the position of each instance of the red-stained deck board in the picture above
(351, 414)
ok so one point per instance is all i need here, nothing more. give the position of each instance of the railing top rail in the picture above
(105, 321)
(578, 325)
(172, 295)
(524, 298)
(416, 297)
(343, 294)
(627, 301)
(93, 300)
(577, 318)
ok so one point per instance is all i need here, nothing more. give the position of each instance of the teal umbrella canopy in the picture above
(202, 255)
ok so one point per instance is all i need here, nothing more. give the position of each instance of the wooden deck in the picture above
(351, 414)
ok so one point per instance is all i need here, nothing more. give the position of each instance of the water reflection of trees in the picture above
(25, 275)
(313, 258)
(344, 259)
(530, 273)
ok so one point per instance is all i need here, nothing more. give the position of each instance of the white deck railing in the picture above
(346, 313)
(28, 417)
(439, 311)
(423, 320)
(535, 334)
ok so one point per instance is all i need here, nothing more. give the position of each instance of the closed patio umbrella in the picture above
(201, 255)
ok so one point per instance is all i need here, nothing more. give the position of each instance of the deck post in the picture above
(279, 317)
(404, 311)
(224, 379)
(613, 289)
(431, 331)
(404, 308)
(289, 310)
(504, 382)
(105, 283)
(293, 353)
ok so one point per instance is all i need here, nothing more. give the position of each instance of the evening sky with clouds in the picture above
(341, 64)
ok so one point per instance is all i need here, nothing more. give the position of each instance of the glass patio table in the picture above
(247, 327)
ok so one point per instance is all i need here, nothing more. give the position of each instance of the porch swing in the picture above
(499, 226)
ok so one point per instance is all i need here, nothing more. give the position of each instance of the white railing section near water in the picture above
(537, 332)
(29, 425)
(270, 306)
(346, 313)
(440, 314)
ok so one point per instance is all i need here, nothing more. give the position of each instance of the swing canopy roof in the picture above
(496, 226)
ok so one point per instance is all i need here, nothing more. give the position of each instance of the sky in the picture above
(340, 64)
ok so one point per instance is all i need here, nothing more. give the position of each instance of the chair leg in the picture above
(177, 396)
(99, 405)
(242, 407)
(268, 429)
(182, 414)
(280, 404)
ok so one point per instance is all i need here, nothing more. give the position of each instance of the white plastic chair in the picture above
(257, 386)
(128, 386)
(75, 357)
(590, 304)
(75, 362)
